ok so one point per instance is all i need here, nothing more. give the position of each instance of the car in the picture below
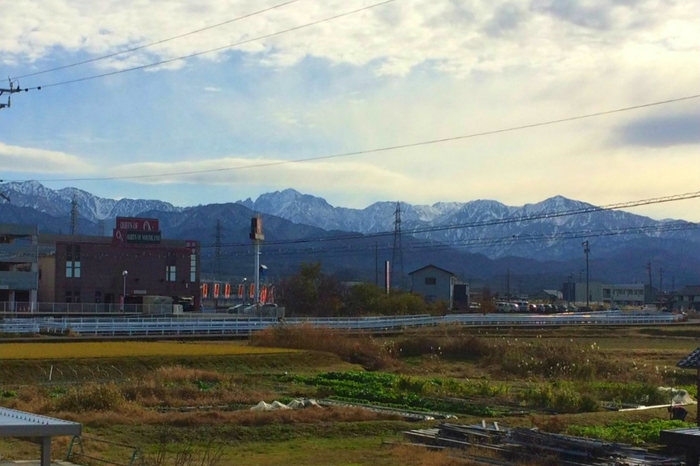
(240, 309)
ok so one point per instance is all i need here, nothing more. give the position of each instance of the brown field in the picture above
(134, 349)
(181, 400)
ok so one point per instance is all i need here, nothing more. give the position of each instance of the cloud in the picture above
(505, 18)
(662, 131)
(212, 89)
(32, 160)
(456, 35)
(236, 171)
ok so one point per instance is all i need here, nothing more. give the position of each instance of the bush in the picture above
(93, 397)
(365, 351)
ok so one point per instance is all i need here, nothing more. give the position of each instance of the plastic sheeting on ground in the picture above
(276, 405)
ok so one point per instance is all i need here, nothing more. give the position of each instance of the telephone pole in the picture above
(587, 250)
(397, 252)
(217, 249)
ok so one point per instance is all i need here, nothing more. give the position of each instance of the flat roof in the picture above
(14, 423)
(17, 229)
(688, 437)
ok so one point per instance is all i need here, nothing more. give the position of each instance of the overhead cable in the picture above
(375, 150)
(162, 41)
(500, 221)
(216, 49)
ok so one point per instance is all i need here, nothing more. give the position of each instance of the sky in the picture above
(398, 73)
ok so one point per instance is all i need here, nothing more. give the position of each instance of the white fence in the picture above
(135, 326)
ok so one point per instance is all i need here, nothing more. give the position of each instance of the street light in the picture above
(124, 274)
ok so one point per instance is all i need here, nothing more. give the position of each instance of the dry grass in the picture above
(409, 455)
(371, 353)
(245, 418)
(51, 351)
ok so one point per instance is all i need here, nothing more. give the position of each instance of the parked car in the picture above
(241, 309)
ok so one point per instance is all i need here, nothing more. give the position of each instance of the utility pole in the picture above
(508, 285)
(651, 287)
(217, 249)
(661, 286)
(586, 250)
(257, 235)
(397, 252)
(376, 263)
(568, 291)
(13, 89)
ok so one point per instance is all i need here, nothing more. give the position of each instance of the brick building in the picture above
(130, 265)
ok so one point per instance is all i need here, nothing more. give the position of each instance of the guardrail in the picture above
(136, 326)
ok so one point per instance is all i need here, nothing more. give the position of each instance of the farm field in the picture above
(191, 400)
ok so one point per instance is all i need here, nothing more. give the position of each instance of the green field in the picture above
(171, 400)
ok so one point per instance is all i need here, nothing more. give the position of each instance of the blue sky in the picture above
(408, 71)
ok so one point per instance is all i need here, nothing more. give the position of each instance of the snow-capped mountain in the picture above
(479, 225)
(477, 239)
(58, 202)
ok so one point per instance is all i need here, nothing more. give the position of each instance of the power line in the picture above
(162, 41)
(379, 149)
(481, 242)
(223, 47)
(501, 221)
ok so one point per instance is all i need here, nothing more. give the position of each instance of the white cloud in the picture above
(32, 160)
(459, 36)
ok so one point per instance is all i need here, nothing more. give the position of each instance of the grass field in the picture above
(137, 349)
(183, 399)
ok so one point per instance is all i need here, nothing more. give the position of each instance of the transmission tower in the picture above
(74, 216)
(217, 248)
(397, 252)
(3, 195)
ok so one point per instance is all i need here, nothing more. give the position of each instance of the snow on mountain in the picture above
(476, 225)
(58, 202)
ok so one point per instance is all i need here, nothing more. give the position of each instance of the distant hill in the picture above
(354, 243)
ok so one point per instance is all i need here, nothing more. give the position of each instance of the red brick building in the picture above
(133, 262)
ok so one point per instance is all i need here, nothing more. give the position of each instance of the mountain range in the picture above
(537, 245)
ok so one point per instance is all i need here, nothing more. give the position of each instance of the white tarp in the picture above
(276, 405)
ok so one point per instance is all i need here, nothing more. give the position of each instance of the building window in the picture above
(72, 296)
(73, 261)
(170, 273)
(430, 281)
(193, 268)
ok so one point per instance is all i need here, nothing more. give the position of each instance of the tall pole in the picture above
(568, 292)
(586, 250)
(508, 285)
(376, 263)
(124, 274)
(257, 272)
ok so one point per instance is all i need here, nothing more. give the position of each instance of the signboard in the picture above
(227, 290)
(241, 291)
(136, 237)
(142, 292)
(256, 231)
(138, 224)
(217, 289)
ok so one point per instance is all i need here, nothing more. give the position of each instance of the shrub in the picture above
(93, 397)
(366, 351)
